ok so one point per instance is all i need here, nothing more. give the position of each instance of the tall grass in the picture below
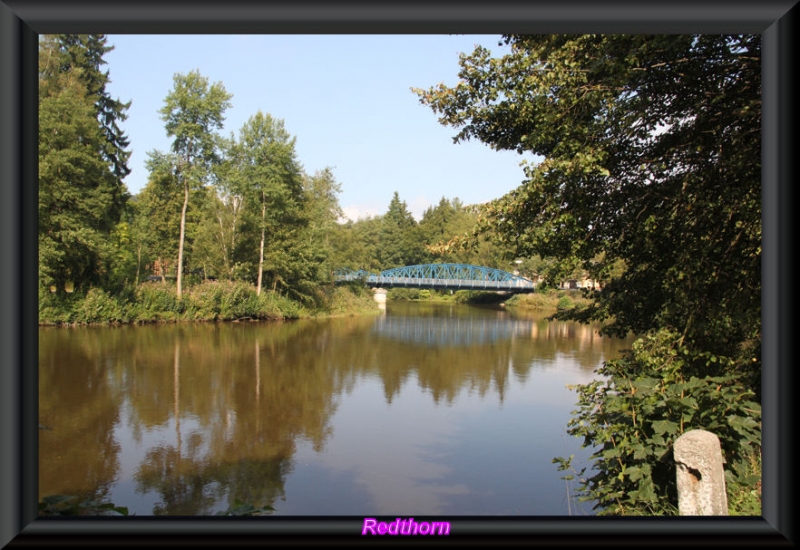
(207, 301)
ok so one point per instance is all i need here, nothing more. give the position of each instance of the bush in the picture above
(274, 305)
(402, 294)
(207, 301)
(657, 391)
(204, 301)
(348, 299)
(55, 309)
(240, 301)
(97, 307)
(226, 300)
(156, 301)
(565, 302)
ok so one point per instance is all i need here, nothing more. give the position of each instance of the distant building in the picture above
(585, 282)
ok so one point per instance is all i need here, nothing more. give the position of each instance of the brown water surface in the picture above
(428, 409)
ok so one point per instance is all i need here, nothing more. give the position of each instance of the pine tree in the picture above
(81, 193)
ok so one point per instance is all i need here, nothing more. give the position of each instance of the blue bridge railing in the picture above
(441, 276)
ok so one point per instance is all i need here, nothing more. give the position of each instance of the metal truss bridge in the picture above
(442, 277)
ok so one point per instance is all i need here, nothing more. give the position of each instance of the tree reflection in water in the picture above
(203, 416)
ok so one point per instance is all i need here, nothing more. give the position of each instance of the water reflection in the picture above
(190, 419)
(450, 331)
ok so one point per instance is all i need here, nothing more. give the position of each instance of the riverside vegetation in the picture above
(205, 301)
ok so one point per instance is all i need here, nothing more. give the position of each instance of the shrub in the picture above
(97, 307)
(348, 299)
(273, 305)
(402, 294)
(156, 301)
(565, 302)
(223, 300)
(204, 301)
(55, 309)
(657, 391)
(239, 300)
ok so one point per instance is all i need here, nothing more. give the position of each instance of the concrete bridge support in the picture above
(700, 475)
(379, 294)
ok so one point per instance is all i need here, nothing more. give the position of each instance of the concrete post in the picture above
(700, 475)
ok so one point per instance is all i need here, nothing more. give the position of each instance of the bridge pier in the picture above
(379, 294)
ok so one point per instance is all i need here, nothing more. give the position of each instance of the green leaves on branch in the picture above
(647, 399)
(651, 182)
(651, 157)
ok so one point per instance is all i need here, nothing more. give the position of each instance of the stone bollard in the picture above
(700, 476)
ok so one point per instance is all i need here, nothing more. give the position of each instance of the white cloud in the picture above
(355, 212)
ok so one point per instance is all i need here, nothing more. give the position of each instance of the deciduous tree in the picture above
(652, 161)
(271, 178)
(193, 111)
(652, 151)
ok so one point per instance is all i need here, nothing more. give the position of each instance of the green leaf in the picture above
(665, 427)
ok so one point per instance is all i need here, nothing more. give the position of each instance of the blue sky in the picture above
(346, 98)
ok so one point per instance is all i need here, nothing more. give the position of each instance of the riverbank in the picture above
(157, 302)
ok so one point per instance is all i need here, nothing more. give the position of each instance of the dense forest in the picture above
(650, 183)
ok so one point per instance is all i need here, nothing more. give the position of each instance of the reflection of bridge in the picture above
(443, 277)
(450, 331)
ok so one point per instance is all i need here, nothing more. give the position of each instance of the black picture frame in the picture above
(22, 21)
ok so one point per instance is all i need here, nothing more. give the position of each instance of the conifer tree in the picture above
(82, 156)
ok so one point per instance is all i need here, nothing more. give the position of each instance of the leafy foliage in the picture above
(192, 111)
(651, 156)
(650, 181)
(744, 490)
(81, 161)
(659, 390)
(99, 306)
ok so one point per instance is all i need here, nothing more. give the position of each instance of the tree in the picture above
(322, 210)
(85, 52)
(651, 148)
(81, 195)
(271, 178)
(356, 244)
(159, 206)
(400, 243)
(192, 111)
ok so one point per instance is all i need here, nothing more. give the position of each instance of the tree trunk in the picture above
(183, 232)
(138, 264)
(261, 248)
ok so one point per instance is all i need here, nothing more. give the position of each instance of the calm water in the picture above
(427, 409)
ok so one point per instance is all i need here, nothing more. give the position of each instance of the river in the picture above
(426, 409)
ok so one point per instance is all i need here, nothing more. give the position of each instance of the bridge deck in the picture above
(444, 277)
(447, 284)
